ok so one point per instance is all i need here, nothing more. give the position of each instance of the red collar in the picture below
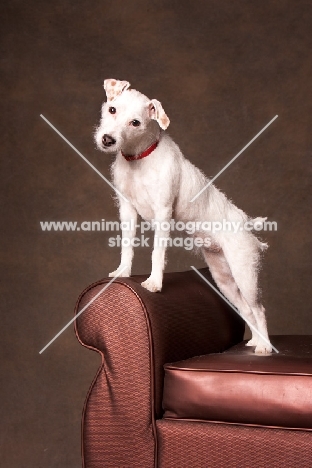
(145, 153)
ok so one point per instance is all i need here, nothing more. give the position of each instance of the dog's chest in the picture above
(140, 184)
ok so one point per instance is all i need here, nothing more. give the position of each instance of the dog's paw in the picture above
(263, 348)
(252, 342)
(151, 285)
(119, 272)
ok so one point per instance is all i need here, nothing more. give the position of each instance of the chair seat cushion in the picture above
(237, 386)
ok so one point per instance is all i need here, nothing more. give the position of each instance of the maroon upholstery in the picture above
(186, 444)
(238, 386)
(137, 332)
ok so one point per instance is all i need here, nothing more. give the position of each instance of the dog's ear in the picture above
(114, 87)
(157, 113)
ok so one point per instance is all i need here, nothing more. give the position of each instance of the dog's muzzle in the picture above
(108, 140)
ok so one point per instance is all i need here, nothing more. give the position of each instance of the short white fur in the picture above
(160, 186)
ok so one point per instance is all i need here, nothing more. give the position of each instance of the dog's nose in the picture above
(107, 140)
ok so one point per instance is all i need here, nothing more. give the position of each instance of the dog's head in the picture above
(130, 121)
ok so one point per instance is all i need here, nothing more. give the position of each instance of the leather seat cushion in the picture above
(237, 386)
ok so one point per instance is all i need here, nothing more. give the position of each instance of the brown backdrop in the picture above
(222, 70)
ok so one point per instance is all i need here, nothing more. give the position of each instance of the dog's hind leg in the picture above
(246, 280)
(262, 347)
(243, 264)
(225, 280)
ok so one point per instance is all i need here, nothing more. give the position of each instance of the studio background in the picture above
(222, 70)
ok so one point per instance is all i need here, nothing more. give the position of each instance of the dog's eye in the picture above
(135, 123)
(112, 110)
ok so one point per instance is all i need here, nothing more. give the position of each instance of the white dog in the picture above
(159, 183)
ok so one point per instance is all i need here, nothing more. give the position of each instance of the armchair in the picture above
(129, 420)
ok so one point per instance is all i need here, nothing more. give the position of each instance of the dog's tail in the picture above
(258, 224)
(263, 246)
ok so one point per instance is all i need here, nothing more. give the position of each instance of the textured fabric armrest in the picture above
(137, 332)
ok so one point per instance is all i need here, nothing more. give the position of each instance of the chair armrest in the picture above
(137, 332)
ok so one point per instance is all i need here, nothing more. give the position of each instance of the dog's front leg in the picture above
(161, 237)
(128, 219)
